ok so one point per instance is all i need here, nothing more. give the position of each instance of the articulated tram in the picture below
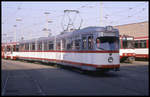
(90, 48)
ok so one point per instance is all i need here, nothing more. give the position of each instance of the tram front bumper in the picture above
(109, 67)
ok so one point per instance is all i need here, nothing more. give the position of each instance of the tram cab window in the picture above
(128, 44)
(90, 42)
(107, 43)
(50, 45)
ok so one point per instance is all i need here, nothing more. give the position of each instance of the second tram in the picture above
(141, 48)
(127, 51)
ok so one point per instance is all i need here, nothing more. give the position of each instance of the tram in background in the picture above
(141, 48)
(8, 50)
(127, 51)
(89, 49)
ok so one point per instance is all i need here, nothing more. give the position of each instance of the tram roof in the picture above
(37, 39)
(87, 30)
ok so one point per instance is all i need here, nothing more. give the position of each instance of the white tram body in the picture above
(127, 51)
(91, 48)
(141, 47)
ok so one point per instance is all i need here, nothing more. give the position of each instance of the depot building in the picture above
(135, 29)
(138, 30)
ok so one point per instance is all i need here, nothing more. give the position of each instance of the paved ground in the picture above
(22, 78)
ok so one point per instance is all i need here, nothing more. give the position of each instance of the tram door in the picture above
(88, 45)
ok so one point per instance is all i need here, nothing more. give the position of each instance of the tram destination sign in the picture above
(127, 38)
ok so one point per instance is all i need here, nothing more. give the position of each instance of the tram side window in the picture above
(90, 42)
(33, 46)
(98, 43)
(40, 46)
(142, 43)
(73, 45)
(5, 49)
(11, 49)
(27, 46)
(136, 44)
(77, 44)
(51, 45)
(14, 47)
(8, 48)
(120, 44)
(21, 47)
(125, 44)
(45, 46)
(58, 45)
(17, 48)
(68, 46)
(84, 43)
(63, 44)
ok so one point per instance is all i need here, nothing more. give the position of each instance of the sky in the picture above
(28, 19)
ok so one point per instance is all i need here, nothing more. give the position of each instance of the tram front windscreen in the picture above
(107, 43)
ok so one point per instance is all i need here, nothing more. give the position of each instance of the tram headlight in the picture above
(110, 59)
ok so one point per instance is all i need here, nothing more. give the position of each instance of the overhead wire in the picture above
(122, 18)
(62, 15)
(131, 16)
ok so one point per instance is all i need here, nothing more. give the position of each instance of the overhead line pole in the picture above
(101, 16)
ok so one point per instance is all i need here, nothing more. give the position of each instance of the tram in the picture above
(127, 51)
(9, 50)
(90, 48)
